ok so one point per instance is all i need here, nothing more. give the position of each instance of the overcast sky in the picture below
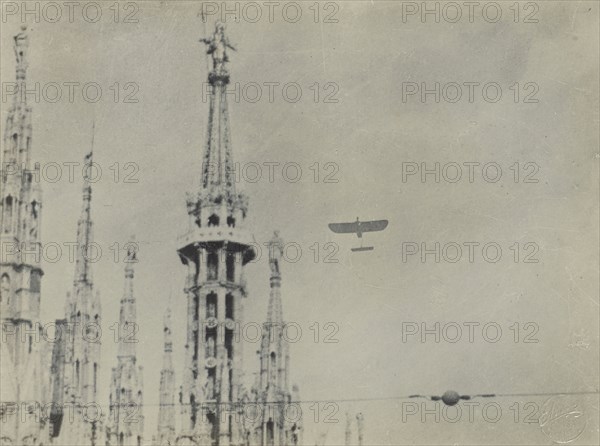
(367, 134)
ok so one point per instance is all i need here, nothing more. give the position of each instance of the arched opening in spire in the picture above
(229, 311)
(95, 377)
(34, 207)
(231, 222)
(213, 220)
(212, 421)
(230, 392)
(230, 266)
(77, 373)
(8, 212)
(273, 367)
(4, 288)
(211, 305)
(229, 344)
(213, 265)
(210, 384)
(193, 409)
(270, 433)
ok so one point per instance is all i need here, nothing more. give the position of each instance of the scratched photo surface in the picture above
(299, 223)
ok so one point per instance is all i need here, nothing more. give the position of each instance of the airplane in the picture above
(451, 398)
(358, 228)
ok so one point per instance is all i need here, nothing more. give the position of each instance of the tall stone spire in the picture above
(76, 362)
(274, 349)
(128, 314)
(166, 411)
(360, 427)
(20, 266)
(20, 204)
(83, 272)
(348, 430)
(218, 190)
(217, 171)
(17, 134)
(274, 395)
(215, 250)
(126, 419)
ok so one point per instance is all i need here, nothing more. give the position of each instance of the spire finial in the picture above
(93, 135)
(88, 161)
(217, 47)
(168, 342)
(131, 256)
(21, 48)
(275, 254)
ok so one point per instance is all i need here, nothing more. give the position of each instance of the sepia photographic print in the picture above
(282, 223)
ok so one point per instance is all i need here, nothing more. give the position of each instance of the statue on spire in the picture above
(217, 47)
(21, 44)
(131, 251)
(275, 254)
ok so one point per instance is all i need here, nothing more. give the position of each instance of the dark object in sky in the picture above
(451, 398)
(358, 228)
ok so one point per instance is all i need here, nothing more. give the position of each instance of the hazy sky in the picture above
(368, 134)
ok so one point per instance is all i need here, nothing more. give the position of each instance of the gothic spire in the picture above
(168, 340)
(83, 270)
(17, 133)
(166, 410)
(21, 50)
(218, 177)
(126, 389)
(275, 312)
(274, 349)
(127, 317)
(360, 426)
